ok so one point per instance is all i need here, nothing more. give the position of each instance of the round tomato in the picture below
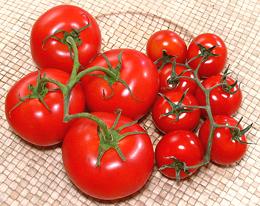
(225, 149)
(137, 71)
(221, 101)
(165, 116)
(168, 83)
(177, 150)
(214, 64)
(31, 119)
(168, 41)
(55, 54)
(114, 178)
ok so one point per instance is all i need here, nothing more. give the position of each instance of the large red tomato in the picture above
(225, 149)
(55, 54)
(114, 178)
(168, 83)
(214, 64)
(168, 41)
(178, 150)
(31, 120)
(221, 101)
(137, 71)
(167, 123)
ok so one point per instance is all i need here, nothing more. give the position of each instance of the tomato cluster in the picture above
(92, 102)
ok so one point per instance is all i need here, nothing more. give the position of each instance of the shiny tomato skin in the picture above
(137, 71)
(215, 64)
(114, 178)
(184, 145)
(169, 41)
(31, 120)
(187, 120)
(221, 102)
(183, 84)
(225, 151)
(55, 54)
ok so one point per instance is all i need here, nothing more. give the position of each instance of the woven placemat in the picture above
(35, 176)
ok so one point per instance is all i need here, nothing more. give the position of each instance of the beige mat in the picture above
(31, 176)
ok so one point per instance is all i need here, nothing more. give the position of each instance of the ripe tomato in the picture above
(169, 41)
(114, 178)
(137, 71)
(221, 101)
(167, 83)
(178, 147)
(31, 120)
(55, 54)
(225, 150)
(187, 120)
(214, 64)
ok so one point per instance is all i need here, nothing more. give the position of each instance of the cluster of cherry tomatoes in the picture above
(92, 102)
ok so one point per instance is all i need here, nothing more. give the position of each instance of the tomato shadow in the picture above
(117, 201)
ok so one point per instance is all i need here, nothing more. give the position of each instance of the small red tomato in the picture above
(31, 120)
(55, 54)
(225, 149)
(139, 73)
(168, 41)
(221, 101)
(177, 150)
(172, 116)
(114, 178)
(214, 64)
(167, 82)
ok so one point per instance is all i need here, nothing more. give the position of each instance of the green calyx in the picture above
(36, 92)
(227, 87)
(113, 75)
(110, 138)
(165, 59)
(176, 109)
(177, 165)
(206, 53)
(237, 133)
(75, 34)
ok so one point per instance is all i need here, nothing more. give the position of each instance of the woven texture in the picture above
(35, 176)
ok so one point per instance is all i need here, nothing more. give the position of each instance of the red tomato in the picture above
(114, 178)
(225, 150)
(221, 102)
(56, 54)
(137, 71)
(187, 120)
(31, 120)
(182, 84)
(214, 64)
(169, 41)
(185, 146)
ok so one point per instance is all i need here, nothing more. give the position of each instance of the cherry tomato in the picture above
(137, 71)
(169, 41)
(54, 54)
(221, 101)
(178, 146)
(225, 150)
(214, 64)
(187, 120)
(114, 178)
(31, 120)
(167, 83)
